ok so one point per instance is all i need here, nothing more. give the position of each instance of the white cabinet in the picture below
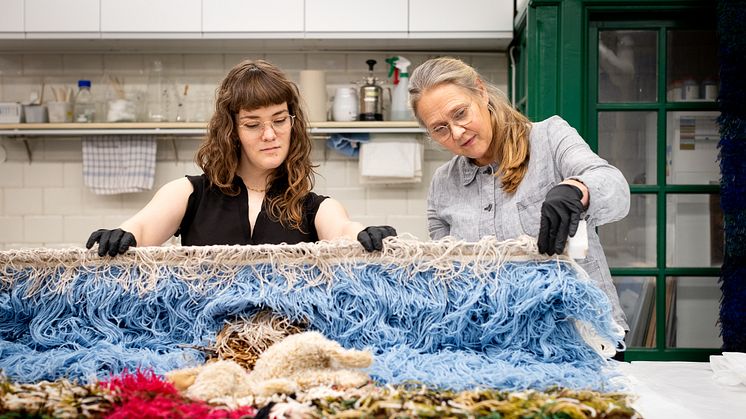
(245, 16)
(151, 16)
(348, 16)
(11, 18)
(467, 16)
(43, 17)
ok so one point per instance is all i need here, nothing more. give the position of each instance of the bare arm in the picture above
(161, 217)
(332, 221)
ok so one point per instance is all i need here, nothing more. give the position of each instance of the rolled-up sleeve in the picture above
(609, 196)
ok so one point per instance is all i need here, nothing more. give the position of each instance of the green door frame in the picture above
(557, 46)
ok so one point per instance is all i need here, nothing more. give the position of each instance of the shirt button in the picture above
(488, 170)
(488, 207)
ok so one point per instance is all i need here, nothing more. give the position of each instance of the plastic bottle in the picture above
(399, 107)
(84, 109)
(158, 98)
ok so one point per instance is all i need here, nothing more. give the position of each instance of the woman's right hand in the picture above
(113, 242)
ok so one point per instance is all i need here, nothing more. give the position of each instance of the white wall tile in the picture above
(204, 63)
(72, 174)
(62, 201)
(370, 220)
(77, 229)
(325, 61)
(23, 201)
(43, 228)
(11, 174)
(289, 61)
(416, 226)
(18, 89)
(353, 199)
(384, 201)
(77, 65)
(115, 220)
(100, 204)
(124, 64)
(42, 64)
(134, 202)
(61, 150)
(11, 65)
(44, 174)
(231, 60)
(11, 229)
(173, 64)
(333, 173)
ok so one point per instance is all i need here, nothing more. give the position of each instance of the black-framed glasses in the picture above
(280, 125)
(462, 117)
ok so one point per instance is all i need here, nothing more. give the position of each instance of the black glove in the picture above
(112, 242)
(372, 237)
(560, 215)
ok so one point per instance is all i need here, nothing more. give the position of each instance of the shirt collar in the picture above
(469, 170)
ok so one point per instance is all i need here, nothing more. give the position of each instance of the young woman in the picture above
(257, 181)
(509, 176)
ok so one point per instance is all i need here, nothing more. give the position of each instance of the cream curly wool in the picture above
(297, 363)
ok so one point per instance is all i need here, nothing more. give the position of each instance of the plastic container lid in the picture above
(84, 83)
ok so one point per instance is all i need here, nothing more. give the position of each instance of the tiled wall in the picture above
(43, 201)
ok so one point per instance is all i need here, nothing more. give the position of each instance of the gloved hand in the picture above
(560, 215)
(112, 242)
(372, 237)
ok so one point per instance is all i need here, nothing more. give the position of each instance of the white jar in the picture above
(345, 107)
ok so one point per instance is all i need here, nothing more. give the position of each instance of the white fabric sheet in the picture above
(682, 390)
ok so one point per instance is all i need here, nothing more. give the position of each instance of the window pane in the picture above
(692, 66)
(627, 66)
(637, 298)
(692, 312)
(628, 141)
(631, 241)
(691, 148)
(694, 230)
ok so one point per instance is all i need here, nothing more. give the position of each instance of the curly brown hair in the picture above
(252, 85)
(510, 128)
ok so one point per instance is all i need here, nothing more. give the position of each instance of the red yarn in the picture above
(146, 395)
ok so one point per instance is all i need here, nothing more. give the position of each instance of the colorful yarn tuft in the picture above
(146, 395)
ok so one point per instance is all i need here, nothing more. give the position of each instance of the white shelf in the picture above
(189, 128)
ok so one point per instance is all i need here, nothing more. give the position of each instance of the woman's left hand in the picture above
(560, 215)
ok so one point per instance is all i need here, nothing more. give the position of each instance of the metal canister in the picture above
(371, 97)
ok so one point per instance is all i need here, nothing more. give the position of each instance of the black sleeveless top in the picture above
(215, 218)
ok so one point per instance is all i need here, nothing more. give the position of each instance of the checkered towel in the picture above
(114, 164)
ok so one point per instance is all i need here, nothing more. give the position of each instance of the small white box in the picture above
(11, 112)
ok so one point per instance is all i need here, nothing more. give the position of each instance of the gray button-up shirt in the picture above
(467, 202)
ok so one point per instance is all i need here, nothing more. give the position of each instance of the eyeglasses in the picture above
(462, 117)
(280, 125)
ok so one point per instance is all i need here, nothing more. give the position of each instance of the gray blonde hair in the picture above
(510, 128)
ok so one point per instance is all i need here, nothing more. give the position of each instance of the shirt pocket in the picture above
(529, 209)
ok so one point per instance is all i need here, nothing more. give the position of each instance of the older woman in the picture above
(509, 176)
(257, 181)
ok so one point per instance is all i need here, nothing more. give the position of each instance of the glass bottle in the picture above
(84, 109)
(158, 99)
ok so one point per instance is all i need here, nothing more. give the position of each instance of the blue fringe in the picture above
(732, 41)
(512, 331)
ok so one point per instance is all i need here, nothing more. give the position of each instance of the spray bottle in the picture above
(398, 68)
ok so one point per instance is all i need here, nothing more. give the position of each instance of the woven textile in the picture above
(446, 313)
(116, 164)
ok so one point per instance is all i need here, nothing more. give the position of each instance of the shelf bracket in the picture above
(176, 151)
(28, 149)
